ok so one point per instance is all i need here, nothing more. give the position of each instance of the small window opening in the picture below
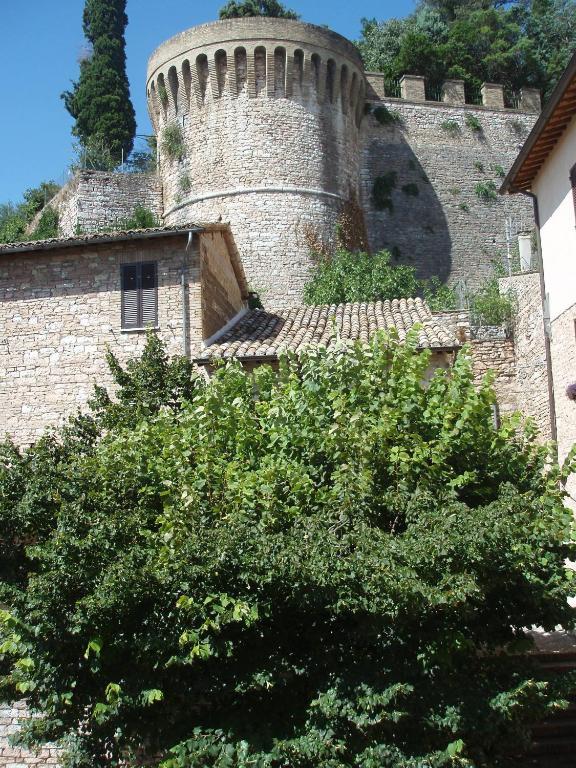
(139, 295)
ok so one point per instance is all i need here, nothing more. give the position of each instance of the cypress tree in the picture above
(100, 99)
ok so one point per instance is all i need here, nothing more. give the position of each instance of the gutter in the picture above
(51, 245)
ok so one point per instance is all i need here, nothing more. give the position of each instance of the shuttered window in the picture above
(139, 294)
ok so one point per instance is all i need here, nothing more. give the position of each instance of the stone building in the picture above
(270, 130)
(273, 126)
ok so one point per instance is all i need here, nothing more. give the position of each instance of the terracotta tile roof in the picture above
(264, 334)
(103, 237)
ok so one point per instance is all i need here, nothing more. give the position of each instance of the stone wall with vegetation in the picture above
(96, 200)
(430, 173)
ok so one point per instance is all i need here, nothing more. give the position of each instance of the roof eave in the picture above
(508, 185)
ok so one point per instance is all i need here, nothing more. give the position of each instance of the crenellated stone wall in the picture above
(444, 163)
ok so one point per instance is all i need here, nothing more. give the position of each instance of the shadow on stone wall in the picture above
(403, 213)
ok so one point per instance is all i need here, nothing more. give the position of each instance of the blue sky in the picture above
(40, 42)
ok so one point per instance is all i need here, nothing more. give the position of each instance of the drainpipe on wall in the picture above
(546, 317)
(183, 295)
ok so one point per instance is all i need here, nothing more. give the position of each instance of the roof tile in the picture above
(265, 334)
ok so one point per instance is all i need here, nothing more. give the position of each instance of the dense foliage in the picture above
(519, 43)
(330, 566)
(346, 276)
(235, 9)
(14, 219)
(99, 101)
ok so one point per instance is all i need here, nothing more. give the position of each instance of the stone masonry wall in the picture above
(437, 221)
(94, 200)
(268, 113)
(11, 717)
(60, 310)
(532, 387)
(497, 355)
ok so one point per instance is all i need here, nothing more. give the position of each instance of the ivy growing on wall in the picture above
(386, 116)
(382, 191)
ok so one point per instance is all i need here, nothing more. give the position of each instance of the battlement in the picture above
(452, 92)
(254, 58)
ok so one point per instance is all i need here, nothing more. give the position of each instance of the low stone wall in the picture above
(95, 200)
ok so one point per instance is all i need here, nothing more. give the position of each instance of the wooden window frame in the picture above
(140, 323)
(572, 177)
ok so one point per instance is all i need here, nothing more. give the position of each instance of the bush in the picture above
(328, 567)
(348, 277)
(489, 307)
(47, 226)
(173, 141)
(439, 296)
(386, 116)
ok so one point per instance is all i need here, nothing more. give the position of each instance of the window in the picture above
(139, 294)
(573, 185)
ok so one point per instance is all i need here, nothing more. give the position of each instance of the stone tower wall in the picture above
(269, 112)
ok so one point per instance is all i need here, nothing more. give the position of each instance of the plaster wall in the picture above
(563, 353)
(558, 223)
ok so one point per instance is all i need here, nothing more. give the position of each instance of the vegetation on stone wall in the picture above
(386, 116)
(451, 127)
(99, 100)
(473, 123)
(486, 191)
(382, 191)
(328, 567)
(519, 43)
(172, 143)
(235, 9)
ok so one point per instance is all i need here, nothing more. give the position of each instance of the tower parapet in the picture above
(267, 115)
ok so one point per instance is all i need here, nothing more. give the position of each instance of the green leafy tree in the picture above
(346, 276)
(14, 219)
(235, 9)
(521, 43)
(100, 100)
(328, 566)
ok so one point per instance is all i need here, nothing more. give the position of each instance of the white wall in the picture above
(558, 223)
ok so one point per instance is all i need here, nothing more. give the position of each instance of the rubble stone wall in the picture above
(95, 200)
(60, 311)
(437, 219)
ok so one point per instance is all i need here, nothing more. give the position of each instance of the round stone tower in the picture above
(258, 125)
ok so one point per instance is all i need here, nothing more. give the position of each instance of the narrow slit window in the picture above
(139, 295)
